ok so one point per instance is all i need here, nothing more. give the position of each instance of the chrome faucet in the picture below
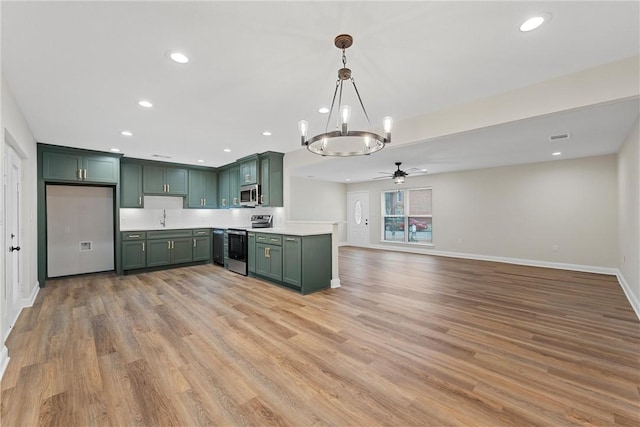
(163, 221)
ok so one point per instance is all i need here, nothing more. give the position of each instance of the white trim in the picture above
(4, 360)
(29, 301)
(633, 300)
(335, 283)
(520, 261)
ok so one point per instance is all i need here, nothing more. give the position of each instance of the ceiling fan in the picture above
(398, 175)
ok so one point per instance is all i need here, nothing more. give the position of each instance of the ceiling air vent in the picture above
(161, 156)
(560, 136)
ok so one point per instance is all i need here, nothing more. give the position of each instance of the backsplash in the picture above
(175, 217)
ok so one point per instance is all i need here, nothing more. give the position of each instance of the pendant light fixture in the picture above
(344, 142)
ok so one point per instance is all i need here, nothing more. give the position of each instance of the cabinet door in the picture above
(195, 198)
(202, 248)
(269, 261)
(101, 169)
(262, 262)
(275, 257)
(61, 166)
(210, 190)
(234, 186)
(248, 172)
(182, 250)
(292, 261)
(133, 255)
(223, 189)
(176, 180)
(251, 252)
(131, 185)
(158, 252)
(153, 180)
(264, 182)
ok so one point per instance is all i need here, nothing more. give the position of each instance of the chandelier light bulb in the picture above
(345, 114)
(303, 127)
(387, 123)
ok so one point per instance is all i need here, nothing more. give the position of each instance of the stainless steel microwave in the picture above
(250, 195)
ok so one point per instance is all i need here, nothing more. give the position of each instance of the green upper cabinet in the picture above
(164, 180)
(203, 189)
(61, 165)
(223, 189)
(131, 195)
(248, 170)
(234, 186)
(271, 180)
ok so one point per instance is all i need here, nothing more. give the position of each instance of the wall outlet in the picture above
(554, 248)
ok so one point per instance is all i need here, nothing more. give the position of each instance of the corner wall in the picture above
(629, 216)
(520, 213)
(16, 132)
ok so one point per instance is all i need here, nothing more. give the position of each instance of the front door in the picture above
(12, 193)
(358, 218)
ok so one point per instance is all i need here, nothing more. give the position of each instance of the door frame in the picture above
(12, 294)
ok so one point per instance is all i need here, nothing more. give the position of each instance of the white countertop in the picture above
(292, 230)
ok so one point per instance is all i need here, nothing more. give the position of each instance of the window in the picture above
(406, 216)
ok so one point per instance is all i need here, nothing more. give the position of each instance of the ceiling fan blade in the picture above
(386, 173)
(382, 177)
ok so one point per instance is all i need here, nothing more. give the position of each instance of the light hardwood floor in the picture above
(408, 340)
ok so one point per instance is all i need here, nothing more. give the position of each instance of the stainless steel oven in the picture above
(238, 250)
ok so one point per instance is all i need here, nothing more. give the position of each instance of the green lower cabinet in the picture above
(292, 261)
(302, 263)
(181, 250)
(251, 255)
(269, 261)
(158, 253)
(133, 255)
(202, 248)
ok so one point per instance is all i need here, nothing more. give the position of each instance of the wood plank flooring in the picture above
(408, 340)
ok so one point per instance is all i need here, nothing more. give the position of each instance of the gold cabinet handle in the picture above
(290, 239)
(142, 246)
(173, 244)
(204, 202)
(139, 200)
(247, 178)
(79, 173)
(85, 174)
(194, 243)
(132, 236)
(235, 200)
(261, 198)
(168, 244)
(224, 202)
(274, 239)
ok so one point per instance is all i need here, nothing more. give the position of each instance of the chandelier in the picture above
(344, 142)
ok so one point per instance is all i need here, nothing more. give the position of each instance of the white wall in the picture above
(314, 200)
(629, 216)
(521, 212)
(16, 132)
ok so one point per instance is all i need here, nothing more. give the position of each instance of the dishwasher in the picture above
(218, 246)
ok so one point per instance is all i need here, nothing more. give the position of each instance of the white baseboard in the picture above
(507, 260)
(4, 360)
(633, 299)
(335, 283)
(24, 303)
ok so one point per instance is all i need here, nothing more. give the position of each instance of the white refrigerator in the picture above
(80, 230)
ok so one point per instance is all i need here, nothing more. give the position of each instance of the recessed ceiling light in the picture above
(266, 133)
(535, 22)
(347, 179)
(323, 110)
(200, 161)
(227, 150)
(557, 153)
(144, 103)
(126, 133)
(115, 150)
(424, 170)
(178, 57)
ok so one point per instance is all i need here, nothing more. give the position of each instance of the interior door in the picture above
(358, 218)
(13, 249)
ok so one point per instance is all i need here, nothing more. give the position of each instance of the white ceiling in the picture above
(77, 70)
